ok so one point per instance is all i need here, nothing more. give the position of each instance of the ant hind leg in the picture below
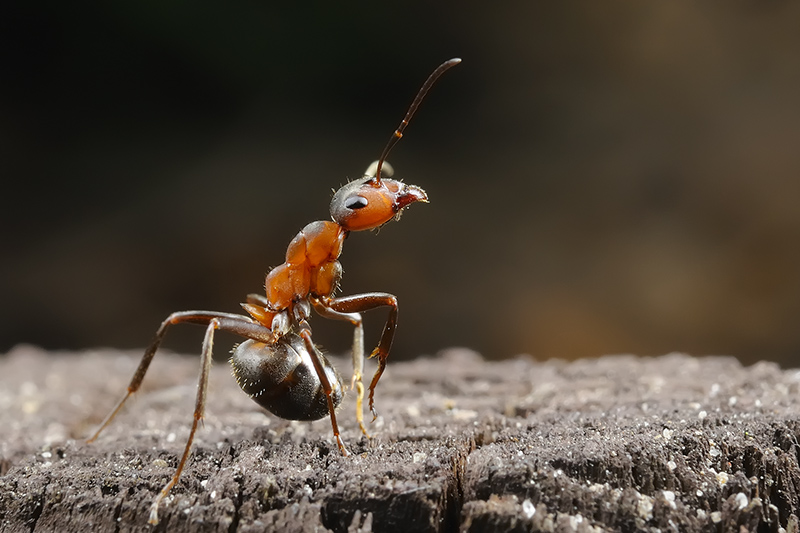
(238, 324)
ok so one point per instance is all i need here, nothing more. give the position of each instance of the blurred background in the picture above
(615, 177)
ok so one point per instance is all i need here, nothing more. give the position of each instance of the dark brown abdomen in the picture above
(281, 378)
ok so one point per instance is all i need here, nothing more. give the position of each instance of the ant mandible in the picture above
(278, 365)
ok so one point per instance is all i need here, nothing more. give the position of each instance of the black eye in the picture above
(355, 202)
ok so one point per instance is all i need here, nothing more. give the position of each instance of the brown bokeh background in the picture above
(604, 177)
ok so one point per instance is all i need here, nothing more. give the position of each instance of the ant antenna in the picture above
(398, 133)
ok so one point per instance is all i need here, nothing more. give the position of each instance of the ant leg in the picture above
(234, 323)
(199, 409)
(313, 352)
(364, 302)
(238, 324)
(324, 310)
(358, 354)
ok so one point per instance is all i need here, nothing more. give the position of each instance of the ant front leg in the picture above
(238, 324)
(359, 303)
(322, 308)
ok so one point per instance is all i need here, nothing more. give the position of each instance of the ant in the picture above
(278, 365)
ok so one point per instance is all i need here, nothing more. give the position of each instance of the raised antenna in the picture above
(398, 133)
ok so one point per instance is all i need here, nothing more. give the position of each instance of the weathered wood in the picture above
(623, 443)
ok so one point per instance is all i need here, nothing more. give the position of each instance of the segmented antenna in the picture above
(398, 133)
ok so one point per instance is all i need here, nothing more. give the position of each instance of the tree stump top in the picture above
(670, 443)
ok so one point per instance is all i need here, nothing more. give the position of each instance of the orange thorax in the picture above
(311, 266)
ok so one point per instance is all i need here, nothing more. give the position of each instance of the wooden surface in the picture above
(615, 444)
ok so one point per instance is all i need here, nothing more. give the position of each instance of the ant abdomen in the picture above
(281, 378)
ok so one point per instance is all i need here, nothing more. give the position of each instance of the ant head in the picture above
(367, 203)
(374, 199)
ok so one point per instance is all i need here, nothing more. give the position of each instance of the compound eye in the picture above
(355, 202)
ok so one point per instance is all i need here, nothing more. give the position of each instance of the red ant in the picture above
(279, 366)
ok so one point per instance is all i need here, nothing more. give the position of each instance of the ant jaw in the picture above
(409, 195)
